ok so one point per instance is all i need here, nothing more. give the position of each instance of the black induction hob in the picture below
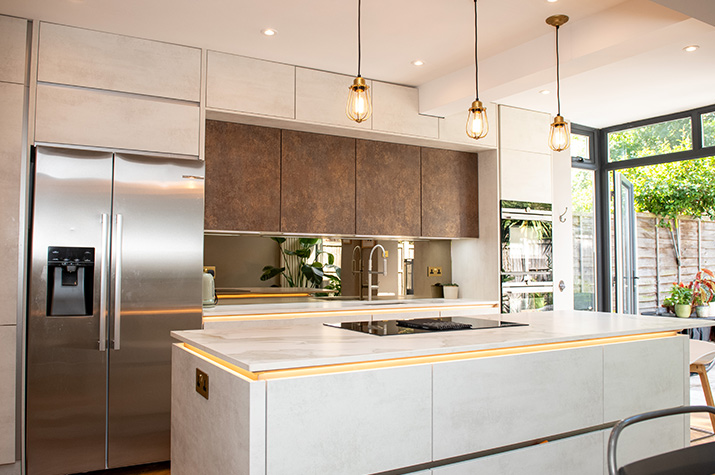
(423, 325)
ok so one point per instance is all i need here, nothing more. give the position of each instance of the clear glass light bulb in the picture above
(477, 124)
(358, 107)
(559, 136)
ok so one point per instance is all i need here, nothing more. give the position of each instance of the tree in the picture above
(649, 140)
(668, 190)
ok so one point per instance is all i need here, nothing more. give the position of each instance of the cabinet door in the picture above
(388, 189)
(243, 173)
(317, 183)
(450, 202)
(395, 110)
(645, 376)
(525, 176)
(525, 130)
(7, 394)
(11, 105)
(13, 43)
(491, 402)
(348, 423)
(320, 97)
(75, 116)
(100, 60)
(250, 85)
(580, 454)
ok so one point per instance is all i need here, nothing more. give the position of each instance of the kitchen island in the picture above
(312, 399)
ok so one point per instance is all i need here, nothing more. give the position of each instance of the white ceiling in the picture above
(622, 60)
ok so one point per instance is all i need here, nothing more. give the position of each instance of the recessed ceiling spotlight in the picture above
(544, 91)
(691, 48)
(418, 62)
(269, 32)
(552, 1)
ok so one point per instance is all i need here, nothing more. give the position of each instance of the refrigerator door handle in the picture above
(103, 307)
(118, 284)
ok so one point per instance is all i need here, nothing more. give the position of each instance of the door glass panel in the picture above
(653, 139)
(626, 291)
(708, 121)
(514, 301)
(584, 238)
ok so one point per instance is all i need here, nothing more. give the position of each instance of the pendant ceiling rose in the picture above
(557, 20)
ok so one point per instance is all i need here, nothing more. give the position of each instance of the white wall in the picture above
(563, 230)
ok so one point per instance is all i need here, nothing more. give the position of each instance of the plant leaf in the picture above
(314, 275)
(269, 272)
(308, 242)
(304, 253)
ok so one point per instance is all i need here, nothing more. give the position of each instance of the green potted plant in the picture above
(450, 291)
(668, 305)
(681, 296)
(304, 273)
(703, 290)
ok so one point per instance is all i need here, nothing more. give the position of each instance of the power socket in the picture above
(202, 383)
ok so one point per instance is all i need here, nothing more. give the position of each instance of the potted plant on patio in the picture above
(681, 296)
(668, 305)
(703, 291)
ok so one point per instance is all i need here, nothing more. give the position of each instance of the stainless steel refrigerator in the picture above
(117, 252)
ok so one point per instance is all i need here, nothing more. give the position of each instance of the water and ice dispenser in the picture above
(70, 281)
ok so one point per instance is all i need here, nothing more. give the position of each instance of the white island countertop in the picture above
(271, 348)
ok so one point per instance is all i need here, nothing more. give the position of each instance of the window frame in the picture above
(590, 163)
(697, 151)
(603, 168)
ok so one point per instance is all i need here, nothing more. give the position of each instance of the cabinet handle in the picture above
(118, 284)
(103, 307)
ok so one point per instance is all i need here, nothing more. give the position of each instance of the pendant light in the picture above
(359, 106)
(559, 136)
(477, 125)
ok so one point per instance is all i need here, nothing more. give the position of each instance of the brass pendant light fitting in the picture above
(559, 135)
(477, 124)
(359, 105)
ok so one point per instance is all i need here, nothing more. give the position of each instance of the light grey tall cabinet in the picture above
(13, 88)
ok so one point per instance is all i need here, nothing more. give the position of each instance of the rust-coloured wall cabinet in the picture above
(243, 177)
(450, 206)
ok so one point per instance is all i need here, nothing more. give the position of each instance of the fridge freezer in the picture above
(117, 244)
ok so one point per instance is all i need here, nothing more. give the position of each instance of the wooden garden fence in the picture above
(657, 266)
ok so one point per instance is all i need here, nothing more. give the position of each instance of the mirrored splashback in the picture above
(248, 268)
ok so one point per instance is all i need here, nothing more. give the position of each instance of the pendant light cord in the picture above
(476, 63)
(558, 69)
(359, 48)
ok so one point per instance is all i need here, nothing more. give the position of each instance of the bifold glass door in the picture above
(626, 288)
